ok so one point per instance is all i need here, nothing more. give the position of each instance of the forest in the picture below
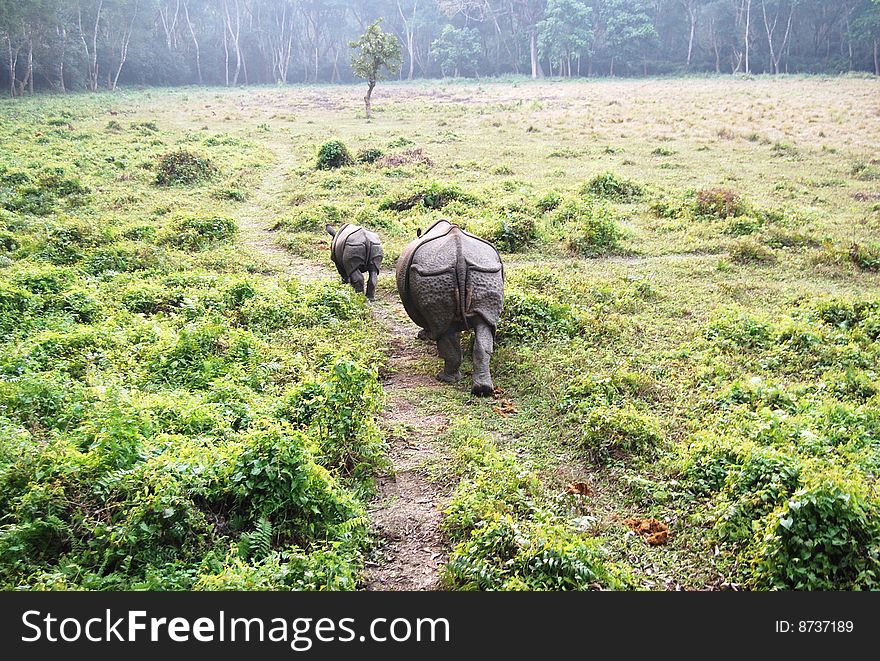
(66, 45)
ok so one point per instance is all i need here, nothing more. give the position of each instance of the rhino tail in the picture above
(461, 275)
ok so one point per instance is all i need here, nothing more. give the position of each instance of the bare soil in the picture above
(406, 511)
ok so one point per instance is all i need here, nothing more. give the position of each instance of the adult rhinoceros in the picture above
(452, 281)
(356, 250)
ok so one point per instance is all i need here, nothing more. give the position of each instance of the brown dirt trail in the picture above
(407, 509)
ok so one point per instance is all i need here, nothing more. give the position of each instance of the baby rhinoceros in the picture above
(356, 251)
(452, 281)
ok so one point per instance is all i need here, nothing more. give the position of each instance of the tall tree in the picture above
(377, 55)
(564, 32)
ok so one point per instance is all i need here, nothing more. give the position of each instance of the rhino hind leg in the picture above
(482, 353)
(357, 281)
(449, 348)
(371, 285)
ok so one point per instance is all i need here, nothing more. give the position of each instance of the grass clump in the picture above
(608, 185)
(193, 233)
(184, 168)
(507, 534)
(588, 227)
(332, 155)
(430, 195)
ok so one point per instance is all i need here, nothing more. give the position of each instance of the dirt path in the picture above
(406, 513)
(406, 510)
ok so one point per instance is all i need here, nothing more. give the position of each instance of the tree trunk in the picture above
(748, 27)
(368, 99)
(123, 48)
(877, 57)
(192, 33)
(611, 69)
(693, 18)
(533, 51)
(29, 74)
(11, 66)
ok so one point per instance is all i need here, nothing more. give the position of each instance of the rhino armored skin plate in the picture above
(452, 281)
(356, 250)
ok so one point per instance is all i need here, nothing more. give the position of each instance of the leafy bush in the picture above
(184, 168)
(613, 432)
(749, 251)
(369, 155)
(826, 536)
(612, 187)
(548, 202)
(333, 154)
(529, 317)
(589, 227)
(506, 535)
(199, 232)
(733, 329)
(341, 410)
(513, 230)
(431, 195)
(719, 203)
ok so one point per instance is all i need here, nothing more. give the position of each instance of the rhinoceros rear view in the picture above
(451, 281)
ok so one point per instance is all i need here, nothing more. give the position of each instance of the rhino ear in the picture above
(419, 232)
(330, 230)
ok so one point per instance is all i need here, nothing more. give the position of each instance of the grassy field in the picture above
(688, 365)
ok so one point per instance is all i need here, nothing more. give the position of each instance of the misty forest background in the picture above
(93, 44)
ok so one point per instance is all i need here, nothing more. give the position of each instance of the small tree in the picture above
(457, 50)
(378, 55)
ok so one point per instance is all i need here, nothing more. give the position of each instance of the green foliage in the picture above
(199, 232)
(184, 168)
(608, 185)
(457, 50)
(430, 195)
(588, 227)
(532, 317)
(377, 55)
(507, 535)
(333, 154)
(341, 412)
(607, 432)
(369, 155)
(824, 537)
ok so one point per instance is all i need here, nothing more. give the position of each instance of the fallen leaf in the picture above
(505, 407)
(580, 489)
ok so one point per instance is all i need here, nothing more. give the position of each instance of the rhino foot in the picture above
(449, 378)
(483, 390)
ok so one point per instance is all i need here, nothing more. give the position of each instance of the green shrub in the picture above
(865, 256)
(199, 232)
(516, 230)
(369, 155)
(333, 154)
(146, 298)
(733, 330)
(826, 536)
(431, 195)
(548, 202)
(276, 478)
(589, 227)
(184, 168)
(67, 241)
(530, 317)
(718, 203)
(123, 257)
(614, 432)
(503, 554)
(341, 412)
(749, 251)
(612, 187)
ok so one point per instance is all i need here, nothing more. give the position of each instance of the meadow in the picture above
(687, 367)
